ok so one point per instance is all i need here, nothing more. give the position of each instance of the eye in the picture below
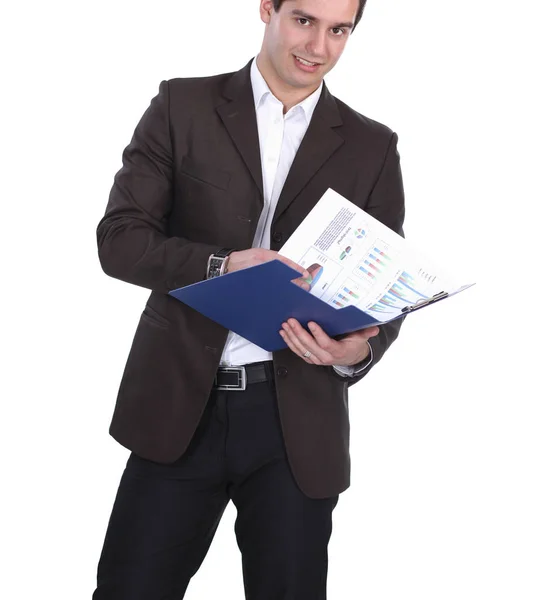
(303, 21)
(338, 31)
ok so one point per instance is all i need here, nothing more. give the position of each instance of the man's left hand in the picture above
(317, 348)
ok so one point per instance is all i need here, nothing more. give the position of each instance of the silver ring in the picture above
(307, 354)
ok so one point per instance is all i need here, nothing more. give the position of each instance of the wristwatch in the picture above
(217, 263)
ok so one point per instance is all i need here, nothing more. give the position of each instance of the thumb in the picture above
(364, 334)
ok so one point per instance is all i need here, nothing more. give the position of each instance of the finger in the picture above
(322, 338)
(305, 342)
(302, 283)
(290, 343)
(362, 334)
(293, 265)
(298, 348)
(368, 332)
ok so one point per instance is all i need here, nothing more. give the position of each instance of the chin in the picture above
(305, 79)
(304, 83)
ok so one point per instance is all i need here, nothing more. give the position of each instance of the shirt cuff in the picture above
(350, 370)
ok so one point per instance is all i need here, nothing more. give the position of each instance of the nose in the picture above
(317, 43)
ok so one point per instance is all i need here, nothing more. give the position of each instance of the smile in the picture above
(306, 63)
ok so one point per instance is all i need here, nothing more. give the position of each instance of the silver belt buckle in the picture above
(240, 386)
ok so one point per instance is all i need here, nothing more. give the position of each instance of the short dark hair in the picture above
(362, 3)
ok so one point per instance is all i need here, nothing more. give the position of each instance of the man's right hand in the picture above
(241, 259)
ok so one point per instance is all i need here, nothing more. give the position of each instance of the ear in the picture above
(266, 8)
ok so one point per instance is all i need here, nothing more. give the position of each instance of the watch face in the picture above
(215, 266)
(218, 262)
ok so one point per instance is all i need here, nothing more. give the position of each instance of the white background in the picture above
(454, 443)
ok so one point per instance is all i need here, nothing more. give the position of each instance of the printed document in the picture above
(354, 259)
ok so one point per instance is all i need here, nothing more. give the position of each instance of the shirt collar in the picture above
(261, 89)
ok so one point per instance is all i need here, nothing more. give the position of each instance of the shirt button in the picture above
(282, 372)
(277, 237)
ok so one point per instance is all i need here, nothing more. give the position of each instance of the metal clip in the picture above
(425, 302)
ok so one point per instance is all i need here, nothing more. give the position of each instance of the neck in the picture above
(288, 95)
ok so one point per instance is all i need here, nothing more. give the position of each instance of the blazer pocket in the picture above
(205, 173)
(154, 317)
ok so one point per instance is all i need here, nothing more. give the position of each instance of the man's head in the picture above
(304, 39)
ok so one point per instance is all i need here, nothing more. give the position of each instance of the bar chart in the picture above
(348, 294)
(376, 260)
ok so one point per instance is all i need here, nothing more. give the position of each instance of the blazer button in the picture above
(277, 237)
(282, 372)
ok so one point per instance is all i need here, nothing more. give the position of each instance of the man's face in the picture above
(305, 39)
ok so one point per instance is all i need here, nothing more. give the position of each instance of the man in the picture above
(219, 173)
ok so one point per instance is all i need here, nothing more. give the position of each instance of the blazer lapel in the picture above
(319, 143)
(239, 118)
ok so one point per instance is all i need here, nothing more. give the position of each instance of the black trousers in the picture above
(165, 516)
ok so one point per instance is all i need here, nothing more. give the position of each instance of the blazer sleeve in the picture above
(132, 238)
(387, 204)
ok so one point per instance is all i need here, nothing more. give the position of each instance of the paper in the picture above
(353, 259)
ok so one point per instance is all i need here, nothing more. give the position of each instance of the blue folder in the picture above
(254, 302)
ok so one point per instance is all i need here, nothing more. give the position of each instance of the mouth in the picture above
(306, 63)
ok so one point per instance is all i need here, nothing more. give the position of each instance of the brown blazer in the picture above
(191, 183)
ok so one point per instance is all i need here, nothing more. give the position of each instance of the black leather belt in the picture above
(237, 378)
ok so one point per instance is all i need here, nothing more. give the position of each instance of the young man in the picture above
(219, 173)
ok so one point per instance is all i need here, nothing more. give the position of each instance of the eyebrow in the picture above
(299, 13)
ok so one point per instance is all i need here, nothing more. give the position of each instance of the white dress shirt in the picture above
(280, 136)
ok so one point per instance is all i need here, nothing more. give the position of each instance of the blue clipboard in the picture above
(254, 302)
